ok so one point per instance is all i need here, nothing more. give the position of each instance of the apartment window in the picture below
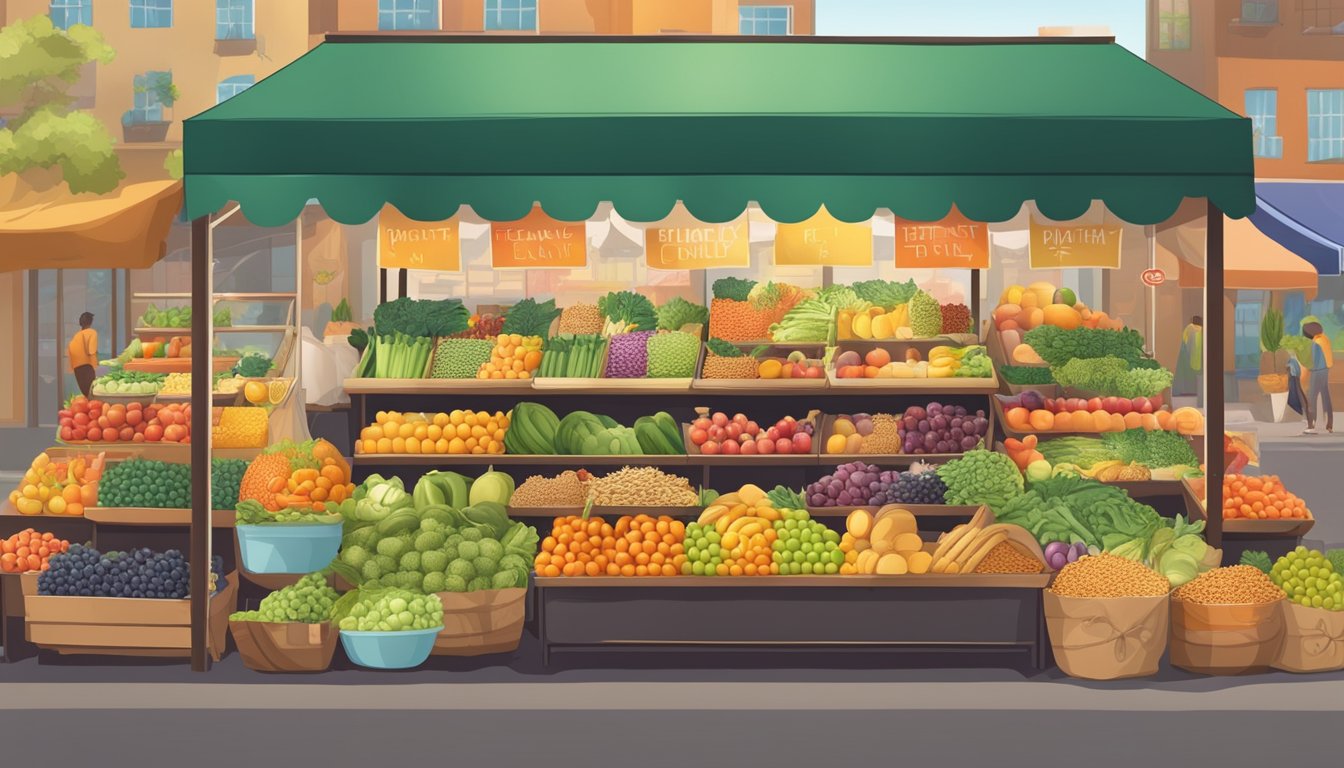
(67, 13)
(765, 19)
(1322, 17)
(233, 20)
(148, 108)
(233, 86)
(511, 15)
(1259, 11)
(151, 14)
(1173, 25)
(1325, 125)
(401, 15)
(1262, 106)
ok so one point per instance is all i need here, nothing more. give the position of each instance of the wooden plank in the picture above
(931, 386)
(109, 635)
(504, 459)
(52, 609)
(941, 581)
(918, 510)
(144, 516)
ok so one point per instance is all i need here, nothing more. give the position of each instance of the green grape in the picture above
(1309, 579)
(309, 601)
(703, 554)
(805, 546)
(395, 610)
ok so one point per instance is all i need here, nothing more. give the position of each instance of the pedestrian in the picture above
(1297, 398)
(1191, 359)
(1318, 385)
(83, 352)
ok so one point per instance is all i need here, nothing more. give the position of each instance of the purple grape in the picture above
(939, 422)
(842, 475)
(817, 499)
(628, 355)
(968, 443)
(924, 425)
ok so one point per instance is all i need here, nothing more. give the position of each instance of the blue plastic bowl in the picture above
(280, 548)
(389, 650)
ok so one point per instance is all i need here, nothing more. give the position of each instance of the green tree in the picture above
(38, 65)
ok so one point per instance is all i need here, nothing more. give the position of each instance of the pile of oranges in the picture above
(514, 357)
(638, 545)
(1246, 497)
(459, 432)
(29, 550)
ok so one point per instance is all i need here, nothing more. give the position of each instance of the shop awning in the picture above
(1306, 218)
(124, 229)
(1252, 261)
(430, 123)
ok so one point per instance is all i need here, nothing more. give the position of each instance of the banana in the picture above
(712, 513)
(981, 551)
(729, 541)
(981, 518)
(953, 555)
(721, 524)
(947, 540)
(739, 523)
(729, 499)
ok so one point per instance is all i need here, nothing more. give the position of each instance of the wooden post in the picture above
(975, 300)
(382, 286)
(403, 283)
(202, 384)
(1214, 328)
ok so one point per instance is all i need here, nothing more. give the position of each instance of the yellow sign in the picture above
(537, 241)
(683, 242)
(408, 244)
(956, 242)
(824, 241)
(1070, 245)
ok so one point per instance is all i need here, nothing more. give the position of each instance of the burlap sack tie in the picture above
(1321, 641)
(1140, 634)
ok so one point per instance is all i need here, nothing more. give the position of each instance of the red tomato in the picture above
(126, 434)
(116, 416)
(734, 430)
(783, 445)
(749, 447)
(138, 437)
(109, 435)
(81, 419)
(154, 433)
(720, 419)
(95, 434)
(702, 423)
(710, 448)
(174, 433)
(67, 434)
(81, 433)
(698, 436)
(731, 448)
(134, 416)
(753, 428)
(740, 418)
(765, 446)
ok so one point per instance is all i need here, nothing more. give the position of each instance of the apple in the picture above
(698, 436)
(740, 419)
(1110, 404)
(783, 445)
(720, 419)
(765, 446)
(798, 372)
(802, 442)
(731, 448)
(709, 449)
(734, 431)
(749, 447)
(700, 423)
(1094, 405)
(784, 427)
(772, 434)
(717, 433)
(753, 428)
(815, 372)
(1156, 400)
(1143, 405)
(1123, 405)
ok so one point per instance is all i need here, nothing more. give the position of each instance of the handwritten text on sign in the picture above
(682, 242)
(956, 242)
(408, 244)
(1072, 246)
(824, 241)
(537, 241)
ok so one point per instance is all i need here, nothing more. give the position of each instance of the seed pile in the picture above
(581, 319)
(628, 355)
(717, 367)
(956, 318)
(1005, 558)
(1233, 585)
(885, 437)
(1109, 576)
(564, 490)
(460, 358)
(642, 487)
(673, 355)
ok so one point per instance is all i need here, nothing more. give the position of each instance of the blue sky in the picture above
(980, 17)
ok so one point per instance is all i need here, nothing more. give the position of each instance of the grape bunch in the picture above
(704, 554)
(308, 601)
(1310, 579)
(913, 487)
(85, 572)
(941, 429)
(854, 484)
(805, 546)
(394, 610)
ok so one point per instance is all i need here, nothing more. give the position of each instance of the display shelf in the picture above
(507, 459)
(935, 580)
(172, 452)
(612, 386)
(605, 512)
(218, 329)
(918, 510)
(366, 386)
(176, 364)
(750, 386)
(950, 385)
(144, 516)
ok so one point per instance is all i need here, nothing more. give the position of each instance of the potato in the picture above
(892, 565)
(867, 562)
(859, 523)
(908, 542)
(884, 534)
(904, 519)
(920, 562)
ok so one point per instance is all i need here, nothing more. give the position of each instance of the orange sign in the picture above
(683, 242)
(1056, 245)
(955, 242)
(824, 241)
(537, 241)
(404, 243)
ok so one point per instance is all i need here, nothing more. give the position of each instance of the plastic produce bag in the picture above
(1107, 638)
(322, 376)
(1313, 640)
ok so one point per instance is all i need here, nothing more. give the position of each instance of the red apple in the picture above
(753, 428)
(732, 448)
(740, 418)
(798, 372)
(802, 442)
(815, 372)
(783, 445)
(784, 427)
(720, 419)
(765, 446)
(734, 430)
(1143, 405)
(1123, 405)
(67, 433)
(698, 436)
(1094, 405)
(772, 434)
(1110, 404)
(749, 447)
(710, 448)
(700, 423)
(1156, 401)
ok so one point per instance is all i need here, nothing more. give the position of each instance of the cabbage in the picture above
(1178, 567)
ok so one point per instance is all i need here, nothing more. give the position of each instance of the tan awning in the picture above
(124, 229)
(1252, 261)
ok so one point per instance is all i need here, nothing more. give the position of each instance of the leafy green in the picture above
(1260, 559)
(253, 365)
(724, 348)
(1336, 558)
(528, 318)
(1092, 374)
(381, 497)
(1057, 346)
(1110, 518)
(634, 311)
(419, 318)
(341, 313)
(810, 320)
(1142, 382)
(1049, 520)
(250, 512)
(734, 288)
(1025, 375)
(678, 312)
(981, 477)
(359, 339)
(885, 293)
(1082, 452)
(842, 297)
(1271, 330)
(1154, 449)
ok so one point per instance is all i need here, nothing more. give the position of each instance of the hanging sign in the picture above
(537, 241)
(956, 242)
(1153, 277)
(683, 242)
(824, 241)
(404, 243)
(1056, 245)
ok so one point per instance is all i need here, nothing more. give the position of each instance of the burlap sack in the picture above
(1225, 639)
(1313, 640)
(1106, 638)
(285, 647)
(481, 623)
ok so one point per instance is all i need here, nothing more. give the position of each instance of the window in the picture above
(148, 107)
(400, 15)
(67, 13)
(233, 86)
(1322, 17)
(151, 14)
(511, 15)
(233, 20)
(1173, 25)
(1259, 11)
(1325, 125)
(1249, 308)
(765, 19)
(1262, 106)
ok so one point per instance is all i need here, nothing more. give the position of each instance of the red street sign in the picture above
(1153, 277)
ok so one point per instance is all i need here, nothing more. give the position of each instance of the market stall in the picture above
(986, 126)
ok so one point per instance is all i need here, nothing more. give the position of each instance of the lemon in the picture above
(255, 392)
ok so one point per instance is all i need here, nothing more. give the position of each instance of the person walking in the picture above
(1322, 360)
(83, 351)
(1191, 359)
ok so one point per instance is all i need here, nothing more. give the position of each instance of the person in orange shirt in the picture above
(83, 352)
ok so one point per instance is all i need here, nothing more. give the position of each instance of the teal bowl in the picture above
(389, 650)
(281, 548)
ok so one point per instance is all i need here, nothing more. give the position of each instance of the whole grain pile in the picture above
(1107, 575)
(1233, 585)
(885, 437)
(564, 490)
(718, 367)
(1006, 558)
(581, 319)
(642, 487)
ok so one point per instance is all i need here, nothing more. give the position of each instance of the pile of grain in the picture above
(1005, 558)
(563, 490)
(581, 319)
(1233, 585)
(642, 487)
(717, 367)
(1107, 575)
(885, 437)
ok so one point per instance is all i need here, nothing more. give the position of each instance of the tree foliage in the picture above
(38, 65)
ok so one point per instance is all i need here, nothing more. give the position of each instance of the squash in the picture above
(1024, 354)
(1188, 421)
(1061, 316)
(859, 523)
(863, 326)
(882, 327)
(1045, 292)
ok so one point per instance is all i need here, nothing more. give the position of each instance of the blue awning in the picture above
(1306, 218)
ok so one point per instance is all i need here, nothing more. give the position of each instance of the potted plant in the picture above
(342, 321)
(137, 130)
(1274, 382)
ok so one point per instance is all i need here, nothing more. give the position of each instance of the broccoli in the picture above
(462, 568)
(435, 560)
(410, 562)
(485, 566)
(434, 581)
(981, 477)
(428, 540)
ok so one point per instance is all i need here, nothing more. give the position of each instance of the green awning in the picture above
(432, 123)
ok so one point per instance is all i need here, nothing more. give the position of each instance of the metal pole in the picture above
(1214, 329)
(202, 355)
(1150, 232)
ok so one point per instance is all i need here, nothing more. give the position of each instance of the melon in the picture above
(1045, 292)
(1066, 296)
(1062, 316)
